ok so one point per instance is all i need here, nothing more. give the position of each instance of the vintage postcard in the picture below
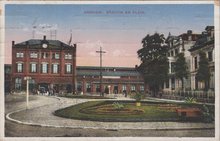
(119, 70)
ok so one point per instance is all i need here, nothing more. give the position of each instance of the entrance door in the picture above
(115, 89)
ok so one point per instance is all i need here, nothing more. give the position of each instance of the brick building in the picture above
(51, 64)
(115, 80)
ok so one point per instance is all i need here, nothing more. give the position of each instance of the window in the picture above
(88, 87)
(44, 68)
(19, 54)
(55, 68)
(33, 67)
(56, 55)
(172, 67)
(79, 86)
(19, 67)
(141, 88)
(176, 51)
(167, 83)
(210, 56)
(44, 55)
(68, 68)
(18, 82)
(124, 88)
(133, 88)
(33, 55)
(171, 54)
(68, 56)
(195, 62)
(97, 88)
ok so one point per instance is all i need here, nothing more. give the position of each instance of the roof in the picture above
(201, 42)
(106, 71)
(185, 36)
(209, 28)
(36, 43)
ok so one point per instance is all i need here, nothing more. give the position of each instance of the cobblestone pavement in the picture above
(42, 108)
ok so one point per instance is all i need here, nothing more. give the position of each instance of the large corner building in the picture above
(51, 64)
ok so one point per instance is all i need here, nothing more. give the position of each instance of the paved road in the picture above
(41, 113)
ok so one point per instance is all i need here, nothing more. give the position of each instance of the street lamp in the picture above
(27, 90)
(100, 52)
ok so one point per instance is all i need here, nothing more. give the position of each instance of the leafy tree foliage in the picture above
(154, 62)
(203, 73)
(180, 68)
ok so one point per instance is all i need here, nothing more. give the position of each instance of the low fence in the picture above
(200, 96)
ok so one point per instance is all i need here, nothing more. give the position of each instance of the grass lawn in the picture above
(105, 111)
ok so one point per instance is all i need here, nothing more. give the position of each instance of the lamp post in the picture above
(100, 52)
(27, 91)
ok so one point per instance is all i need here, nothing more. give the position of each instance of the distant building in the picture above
(206, 44)
(7, 69)
(115, 80)
(51, 64)
(179, 44)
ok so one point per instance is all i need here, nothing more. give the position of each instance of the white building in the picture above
(205, 44)
(179, 44)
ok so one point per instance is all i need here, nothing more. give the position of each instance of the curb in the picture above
(95, 127)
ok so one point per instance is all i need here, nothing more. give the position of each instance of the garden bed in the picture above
(105, 111)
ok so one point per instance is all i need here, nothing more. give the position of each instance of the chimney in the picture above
(13, 43)
(189, 31)
(74, 45)
(44, 37)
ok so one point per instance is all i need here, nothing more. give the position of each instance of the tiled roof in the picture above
(38, 42)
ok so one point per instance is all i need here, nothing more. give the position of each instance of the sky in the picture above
(117, 28)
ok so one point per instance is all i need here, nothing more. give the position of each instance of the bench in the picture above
(189, 112)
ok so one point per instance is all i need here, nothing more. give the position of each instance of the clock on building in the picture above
(44, 45)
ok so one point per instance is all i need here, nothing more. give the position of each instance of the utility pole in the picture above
(100, 52)
(27, 91)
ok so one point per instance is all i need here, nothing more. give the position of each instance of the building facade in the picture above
(206, 44)
(51, 64)
(179, 44)
(115, 80)
(7, 70)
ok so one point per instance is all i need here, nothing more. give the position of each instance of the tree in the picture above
(203, 73)
(180, 68)
(154, 62)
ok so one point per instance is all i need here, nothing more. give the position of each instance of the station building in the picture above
(115, 80)
(51, 64)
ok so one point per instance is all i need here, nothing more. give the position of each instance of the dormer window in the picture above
(68, 56)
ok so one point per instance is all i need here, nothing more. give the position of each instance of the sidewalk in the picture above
(42, 115)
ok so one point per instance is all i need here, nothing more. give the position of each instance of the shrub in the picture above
(190, 100)
(138, 97)
(207, 115)
(118, 106)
